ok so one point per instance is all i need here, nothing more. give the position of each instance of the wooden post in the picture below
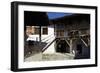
(86, 44)
(54, 30)
(40, 33)
(88, 41)
(71, 45)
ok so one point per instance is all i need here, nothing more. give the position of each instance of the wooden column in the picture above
(40, 33)
(54, 30)
(71, 45)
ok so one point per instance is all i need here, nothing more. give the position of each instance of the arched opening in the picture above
(62, 46)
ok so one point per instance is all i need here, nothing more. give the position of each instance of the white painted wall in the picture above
(50, 49)
(50, 35)
(5, 32)
(45, 37)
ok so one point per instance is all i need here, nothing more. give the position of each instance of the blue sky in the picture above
(54, 15)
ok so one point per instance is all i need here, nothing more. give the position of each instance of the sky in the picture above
(54, 15)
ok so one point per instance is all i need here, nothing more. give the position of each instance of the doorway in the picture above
(62, 47)
(79, 48)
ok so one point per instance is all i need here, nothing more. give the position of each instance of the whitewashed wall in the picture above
(46, 36)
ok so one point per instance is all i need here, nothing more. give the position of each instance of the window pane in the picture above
(32, 30)
(28, 30)
(36, 30)
(45, 31)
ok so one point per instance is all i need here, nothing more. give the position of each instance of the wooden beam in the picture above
(67, 42)
(84, 42)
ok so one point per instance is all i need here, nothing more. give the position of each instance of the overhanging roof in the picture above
(35, 18)
(69, 19)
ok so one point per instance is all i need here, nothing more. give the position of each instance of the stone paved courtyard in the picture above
(49, 57)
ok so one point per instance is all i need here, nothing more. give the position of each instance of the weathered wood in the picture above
(71, 45)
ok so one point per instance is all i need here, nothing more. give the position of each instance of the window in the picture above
(32, 30)
(36, 30)
(28, 30)
(45, 30)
